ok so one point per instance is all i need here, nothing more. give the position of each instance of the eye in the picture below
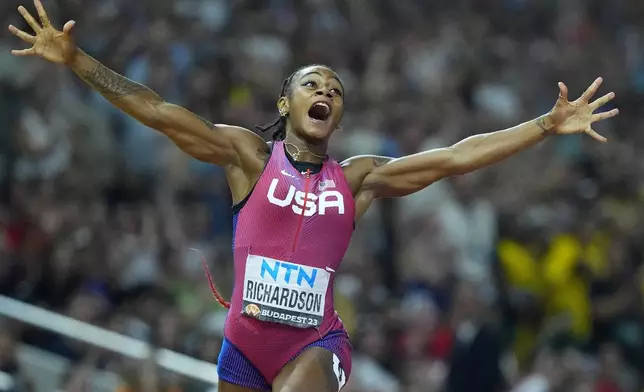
(310, 84)
(336, 92)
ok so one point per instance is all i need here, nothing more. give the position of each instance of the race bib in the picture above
(283, 292)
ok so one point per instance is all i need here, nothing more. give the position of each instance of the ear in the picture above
(282, 105)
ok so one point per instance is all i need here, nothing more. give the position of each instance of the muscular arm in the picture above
(219, 144)
(387, 177)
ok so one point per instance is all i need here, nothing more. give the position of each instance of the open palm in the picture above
(578, 116)
(53, 45)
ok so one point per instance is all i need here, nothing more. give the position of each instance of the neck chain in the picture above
(299, 151)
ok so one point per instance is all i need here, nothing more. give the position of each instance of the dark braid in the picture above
(280, 123)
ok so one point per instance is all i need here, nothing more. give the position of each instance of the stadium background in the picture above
(527, 275)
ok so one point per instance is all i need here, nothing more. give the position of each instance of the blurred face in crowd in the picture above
(85, 307)
(585, 385)
(618, 258)
(467, 304)
(62, 264)
(314, 103)
(6, 348)
(210, 349)
(148, 307)
(610, 361)
(373, 342)
(168, 329)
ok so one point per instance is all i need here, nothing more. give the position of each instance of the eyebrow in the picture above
(318, 73)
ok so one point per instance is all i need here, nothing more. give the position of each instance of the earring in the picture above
(338, 129)
(283, 113)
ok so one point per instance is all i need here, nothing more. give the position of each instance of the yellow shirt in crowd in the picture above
(553, 279)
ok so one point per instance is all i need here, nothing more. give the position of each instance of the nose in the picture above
(325, 92)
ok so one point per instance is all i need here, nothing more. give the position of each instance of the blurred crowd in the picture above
(526, 276)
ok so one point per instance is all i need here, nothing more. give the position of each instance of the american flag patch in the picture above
(326, 184)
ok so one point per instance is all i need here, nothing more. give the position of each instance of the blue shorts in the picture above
(234, 368)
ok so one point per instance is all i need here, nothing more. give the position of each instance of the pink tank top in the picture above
(288, 241)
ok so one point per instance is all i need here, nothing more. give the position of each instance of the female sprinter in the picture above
(294, 209)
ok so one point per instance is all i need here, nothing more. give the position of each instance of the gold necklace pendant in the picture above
(298, 151)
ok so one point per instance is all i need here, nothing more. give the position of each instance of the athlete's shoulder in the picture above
(245, 138)
(253, 146)
(253, 154)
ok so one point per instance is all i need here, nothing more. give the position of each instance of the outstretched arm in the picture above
(409, 174)
(403, 176)
(218, 144)
(196, 136)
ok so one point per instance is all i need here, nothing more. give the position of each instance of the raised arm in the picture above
(385, 177)
(214, 143)
(219, 144)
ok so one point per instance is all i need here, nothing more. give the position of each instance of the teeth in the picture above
(326, 105)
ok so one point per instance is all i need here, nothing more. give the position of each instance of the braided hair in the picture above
(279, 124)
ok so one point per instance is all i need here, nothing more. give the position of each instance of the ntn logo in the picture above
(281, 271)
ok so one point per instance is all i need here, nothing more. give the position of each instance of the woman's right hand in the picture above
(53, 45)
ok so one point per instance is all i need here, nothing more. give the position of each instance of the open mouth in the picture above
(320, 111)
